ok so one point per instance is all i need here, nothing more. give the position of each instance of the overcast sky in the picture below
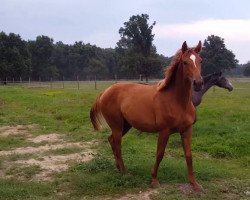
(98, 21)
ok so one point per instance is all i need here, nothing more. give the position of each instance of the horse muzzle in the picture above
(198, 85)
(230, 87)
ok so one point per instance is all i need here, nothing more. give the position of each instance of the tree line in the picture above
(134, 55)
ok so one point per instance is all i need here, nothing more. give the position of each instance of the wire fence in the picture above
(74, 84)
(80, 84)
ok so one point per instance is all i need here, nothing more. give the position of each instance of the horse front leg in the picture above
(161, 145)
(186, 138)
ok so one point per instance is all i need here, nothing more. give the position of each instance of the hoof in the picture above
(122, 171)
(189, 189)
(155, 183)
(197, 188)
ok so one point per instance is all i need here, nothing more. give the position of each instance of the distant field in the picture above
(48, 149)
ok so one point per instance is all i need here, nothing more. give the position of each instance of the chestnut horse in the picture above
(165, 108)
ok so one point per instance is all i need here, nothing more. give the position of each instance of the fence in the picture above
(80, 84)
(74, 84)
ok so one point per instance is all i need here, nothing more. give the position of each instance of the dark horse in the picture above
(209, 81)
(165, 108)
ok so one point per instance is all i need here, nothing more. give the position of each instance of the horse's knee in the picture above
(188, 155)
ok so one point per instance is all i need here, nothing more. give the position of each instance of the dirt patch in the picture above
(46, 138)
(144, 195)
(15, 130)
(187, 189)
(42, 155)
(42, 149)
(52, 164)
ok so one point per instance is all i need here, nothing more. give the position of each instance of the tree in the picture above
(14, 57)
(111, 61)
(41, 53)
(216, 57)
(135, 48)
(247, 69)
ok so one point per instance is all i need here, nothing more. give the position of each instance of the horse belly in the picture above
(140, 116)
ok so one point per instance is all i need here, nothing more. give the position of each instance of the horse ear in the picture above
(184, 47)
(198, 47)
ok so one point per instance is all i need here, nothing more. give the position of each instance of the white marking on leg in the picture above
(192, 57)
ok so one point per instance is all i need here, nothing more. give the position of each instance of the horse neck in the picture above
(183, 88)
(208, 83)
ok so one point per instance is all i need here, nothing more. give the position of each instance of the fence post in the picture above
(20, 79)
(51, 83)
(39, 81)
(29, 81)
(141, 78)
(77, 82)
(13, 80)
(115, 78)
(63, 81)
(95, 83)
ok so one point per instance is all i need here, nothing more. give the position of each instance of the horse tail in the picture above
(96, 114)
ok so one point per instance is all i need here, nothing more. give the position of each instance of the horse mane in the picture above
(214, 76)
(170, 71)
(207, 77)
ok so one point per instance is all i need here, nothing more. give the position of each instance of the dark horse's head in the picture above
(192, 65)
(222, 82)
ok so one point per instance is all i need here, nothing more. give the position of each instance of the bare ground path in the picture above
(41, 154)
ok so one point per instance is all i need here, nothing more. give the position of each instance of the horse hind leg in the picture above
(111, 142)
(115, 142)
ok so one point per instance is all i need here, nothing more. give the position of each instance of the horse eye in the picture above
(185, 63)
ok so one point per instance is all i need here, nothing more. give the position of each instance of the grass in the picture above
(220, 144)
(64, 151)
(7, 143)
(26, 172)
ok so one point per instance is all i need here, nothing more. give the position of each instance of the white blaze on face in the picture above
(230, 83)
(192, 57)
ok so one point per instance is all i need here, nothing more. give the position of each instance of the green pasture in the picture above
(221, 146)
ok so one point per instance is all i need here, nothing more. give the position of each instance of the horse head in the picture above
(191, 62)
(188, 61)
(224, 83)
